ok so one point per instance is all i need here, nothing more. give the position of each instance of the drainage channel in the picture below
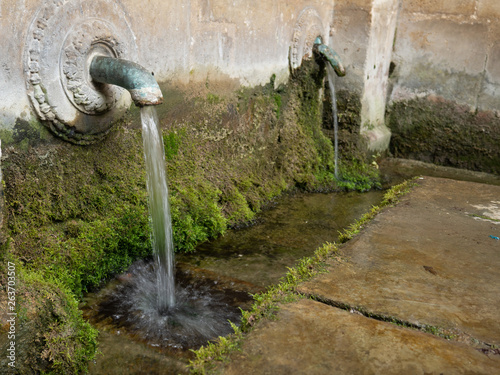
(223, 274)
(241, 263)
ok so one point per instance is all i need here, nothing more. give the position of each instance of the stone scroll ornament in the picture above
(62, 39)
(308, 27)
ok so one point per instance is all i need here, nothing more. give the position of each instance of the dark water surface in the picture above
(295, 227)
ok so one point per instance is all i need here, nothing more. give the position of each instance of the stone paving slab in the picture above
(429, 260)
(309, 337)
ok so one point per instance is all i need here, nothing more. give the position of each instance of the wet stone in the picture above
(430, 260)
(309, 337)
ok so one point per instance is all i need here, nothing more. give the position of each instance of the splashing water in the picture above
(201, 312)
(331, 77)
(159, 209)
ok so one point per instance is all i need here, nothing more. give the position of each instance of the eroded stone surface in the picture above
(313, 338)
(429, 260)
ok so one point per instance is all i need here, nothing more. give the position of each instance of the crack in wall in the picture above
(481, 82)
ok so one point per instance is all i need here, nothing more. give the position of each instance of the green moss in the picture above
(74, 216)
(213, 98)
(391, 197)
(51, 335)
(196, 216)
(443, 133)
(25, 134)
(229, 155)
(78, 215)
(278, 101)
(484, 217)
(218, 351)
(358, 175)
(6, 136)
(171, 142)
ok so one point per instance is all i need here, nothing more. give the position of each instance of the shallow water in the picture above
(295, 227)
(135, 338)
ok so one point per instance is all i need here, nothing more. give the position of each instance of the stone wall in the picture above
(449, 49)
(445, 84)
(74, 215)
(363, 31)
(181, 41)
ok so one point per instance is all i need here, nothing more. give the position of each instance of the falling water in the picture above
(331, 76)
(159, 208)
(146, 303)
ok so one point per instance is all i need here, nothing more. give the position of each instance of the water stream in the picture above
(159, 209)
(145, 304)
(212, 283)
(331, 80)
(147, 322)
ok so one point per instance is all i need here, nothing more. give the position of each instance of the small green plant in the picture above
(484, 217)
(266, 306)
(213, 99)
(216, 351)
(278, 102)
(391, 197)
(357, 175)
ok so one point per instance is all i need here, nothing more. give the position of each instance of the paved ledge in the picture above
(313, 338)
(429, 261)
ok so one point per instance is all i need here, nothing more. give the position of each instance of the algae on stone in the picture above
(51, 335)
(440, 132)
(75, 216)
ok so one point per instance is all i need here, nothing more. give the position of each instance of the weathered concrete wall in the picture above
(363, 31)
(183, 41)
(350, 36)
(445, 100)
(446, 49)
(376, 72)
(449, 49)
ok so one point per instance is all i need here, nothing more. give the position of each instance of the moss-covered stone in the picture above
(440, 132)
(77, 215)
(357, 167)
(74, 216)
(50, 334)
(25, 134)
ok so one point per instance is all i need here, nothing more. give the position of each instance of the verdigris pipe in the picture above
(332, 56)
(140, 82)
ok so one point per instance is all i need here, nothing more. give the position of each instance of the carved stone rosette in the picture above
(307, 28)
(86, 40)
(62, 40)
